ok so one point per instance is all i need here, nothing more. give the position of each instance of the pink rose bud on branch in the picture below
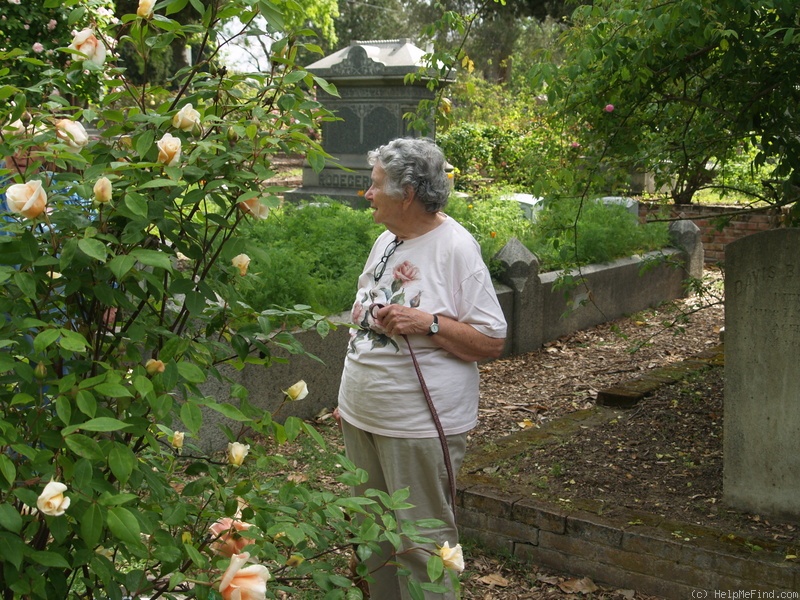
(609, 108)
(227, 540)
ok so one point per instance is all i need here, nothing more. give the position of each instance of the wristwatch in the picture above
(434, 328)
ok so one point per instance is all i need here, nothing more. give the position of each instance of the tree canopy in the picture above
(677, 86)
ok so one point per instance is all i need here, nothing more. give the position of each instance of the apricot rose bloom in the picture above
(298, 391)
(227, 540)
(103, 190)
(241, 262)
(27, 199)
(453, 558)
(237, 452)
(187, 118)
(86, 43)
(73, 133)
(255, 208)
(52, 500)
(145, 9)
(249, 583)
(169, 150)
(154, 366)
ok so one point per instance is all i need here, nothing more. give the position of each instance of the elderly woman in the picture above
(426, 290)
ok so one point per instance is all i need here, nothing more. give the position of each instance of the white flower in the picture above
(169, 150)
(103, 190)
(86, 43)
(187, 118)
(237, 452)
(177, 440)
(241, 262)
(298, 391)
(73, 133)
(453, 558)
(145, 9)
(52, 500)
(27, 199)
(15, 128)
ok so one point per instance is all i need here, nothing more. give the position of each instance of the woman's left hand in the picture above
(460, 339)
(397, 319)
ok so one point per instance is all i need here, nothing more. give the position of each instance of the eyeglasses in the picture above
(380, 268)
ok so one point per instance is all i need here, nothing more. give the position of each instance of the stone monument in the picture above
(762, 379)
(373, 97)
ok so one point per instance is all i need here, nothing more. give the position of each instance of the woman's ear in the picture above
(408, 196)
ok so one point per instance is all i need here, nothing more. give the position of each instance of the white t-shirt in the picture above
(440, 272)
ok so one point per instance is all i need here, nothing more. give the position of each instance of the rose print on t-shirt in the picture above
(362, 312)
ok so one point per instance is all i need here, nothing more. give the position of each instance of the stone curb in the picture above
(630, 549)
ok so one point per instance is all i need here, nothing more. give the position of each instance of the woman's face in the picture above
(387, 209)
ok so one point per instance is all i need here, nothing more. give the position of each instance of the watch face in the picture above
(434, 328)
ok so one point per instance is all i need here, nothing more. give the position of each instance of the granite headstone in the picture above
(373, 97)
(762, 379)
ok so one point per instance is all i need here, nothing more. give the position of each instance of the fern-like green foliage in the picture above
(309, 254)
(492, 220)
(312, 254)
(570, 232)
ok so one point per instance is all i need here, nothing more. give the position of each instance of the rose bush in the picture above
(121, 265)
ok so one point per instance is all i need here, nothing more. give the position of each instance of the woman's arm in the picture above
(460, 339)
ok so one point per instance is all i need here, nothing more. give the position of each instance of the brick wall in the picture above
(653, 555)
(710, 217)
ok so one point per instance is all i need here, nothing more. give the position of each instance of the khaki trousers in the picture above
(418, 464)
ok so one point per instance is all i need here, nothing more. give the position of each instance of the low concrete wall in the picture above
(537, 312)
(542, 309)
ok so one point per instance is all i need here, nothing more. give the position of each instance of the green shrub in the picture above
(569, 232)
(310, 254)
(491, 220)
